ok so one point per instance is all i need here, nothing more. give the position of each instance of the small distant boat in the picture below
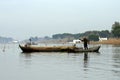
(33, 48)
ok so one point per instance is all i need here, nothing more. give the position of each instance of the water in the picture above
(15, 65)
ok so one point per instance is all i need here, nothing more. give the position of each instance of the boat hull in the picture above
(57, 49)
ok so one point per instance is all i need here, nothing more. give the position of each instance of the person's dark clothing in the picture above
(85, 40)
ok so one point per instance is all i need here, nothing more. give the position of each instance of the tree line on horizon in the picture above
(5, 39)
(92, 35)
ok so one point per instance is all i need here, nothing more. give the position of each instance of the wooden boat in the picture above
(31, 48)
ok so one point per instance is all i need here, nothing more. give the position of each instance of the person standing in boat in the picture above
(85, 42)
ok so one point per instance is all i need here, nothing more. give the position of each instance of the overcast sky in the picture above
(22, 19)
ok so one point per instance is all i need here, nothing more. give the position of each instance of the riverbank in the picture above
(114, 41)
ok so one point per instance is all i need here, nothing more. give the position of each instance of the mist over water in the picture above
(15, 65)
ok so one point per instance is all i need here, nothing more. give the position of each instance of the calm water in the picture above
(15, 65)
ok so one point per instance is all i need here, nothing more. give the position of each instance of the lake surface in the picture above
(15, 65)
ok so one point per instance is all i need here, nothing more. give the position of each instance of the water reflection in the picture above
(26, 55)
(85, 61)
(85, 56)
(25, 58)
(116, 56)
(116, 59)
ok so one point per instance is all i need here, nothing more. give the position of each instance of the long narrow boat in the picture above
(31, 48)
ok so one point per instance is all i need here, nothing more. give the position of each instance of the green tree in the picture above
(93, 37)
(62, 36)
(116, 29)
(104, 33)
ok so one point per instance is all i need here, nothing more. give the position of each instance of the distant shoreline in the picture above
(113, 41)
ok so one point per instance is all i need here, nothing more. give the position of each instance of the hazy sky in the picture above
(22, 19)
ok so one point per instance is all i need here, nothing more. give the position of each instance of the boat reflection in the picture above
(25, 59)
(26, 55)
